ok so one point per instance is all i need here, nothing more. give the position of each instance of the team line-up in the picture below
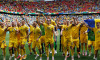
(41, 33)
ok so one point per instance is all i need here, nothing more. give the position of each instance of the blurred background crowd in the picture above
(10, 18)
(56, 6)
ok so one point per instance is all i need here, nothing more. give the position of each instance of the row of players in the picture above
(69, 37)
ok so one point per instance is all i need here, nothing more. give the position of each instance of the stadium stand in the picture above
(69, 6)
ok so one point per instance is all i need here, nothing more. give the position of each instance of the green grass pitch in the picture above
(58, 56)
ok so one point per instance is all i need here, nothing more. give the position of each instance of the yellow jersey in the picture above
(97, 34)
(13, 35)
(2, 34)
(18, 35)
(48, 30)
(32, 30)
(82, 30)
(66, 31)
(37, 32)
(75, 31)
(23, 30)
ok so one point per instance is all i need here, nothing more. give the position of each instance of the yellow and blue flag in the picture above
(92, 22)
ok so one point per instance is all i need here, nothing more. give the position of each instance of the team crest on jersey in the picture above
(66, 28)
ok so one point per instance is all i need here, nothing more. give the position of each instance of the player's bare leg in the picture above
(15, 52)
(52, 48)
(78, 53)
(89, 47)
(40, 51)
(23, 52)
(65, 53)
(82, 48)
(85, 49)
(35, 53)
(47, 51)
(29, 46)
(96, 53)
(10, 51)
(72, 53)
(18, 49)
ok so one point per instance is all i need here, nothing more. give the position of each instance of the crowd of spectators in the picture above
(68, 6)
(10, 18)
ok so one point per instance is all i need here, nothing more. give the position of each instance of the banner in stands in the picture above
(10, 12)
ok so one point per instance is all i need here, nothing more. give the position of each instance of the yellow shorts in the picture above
(97, 45)
(30, 40)
(91, 43)
(42, 39)
(36, 44)
(83, 39)
(13, 44)
(75, 43)
(3, 44)
(49, 41)
(18, 41)
(23, 41)
(67, 42)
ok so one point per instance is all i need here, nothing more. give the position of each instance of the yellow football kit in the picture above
(31, 38)
(67, 38)
(83, 34)
(42, 38)
(48, 33)
(13, 37)
(48, 37)
(97, 38)
(2, 38)
(75, 35)
(18, 37)
(62, 38)
(23, 29)
(36, 43)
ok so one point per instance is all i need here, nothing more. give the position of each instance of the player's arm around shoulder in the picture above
(88, 26)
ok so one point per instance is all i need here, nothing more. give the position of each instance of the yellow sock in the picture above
(15, 52)
(53, 52)
(72, 52)
(35, 52)
(40, 55)
(4, 52)
(65, 52)
(30, 48)
(47, 51)
(21, 52)
(89, 49)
